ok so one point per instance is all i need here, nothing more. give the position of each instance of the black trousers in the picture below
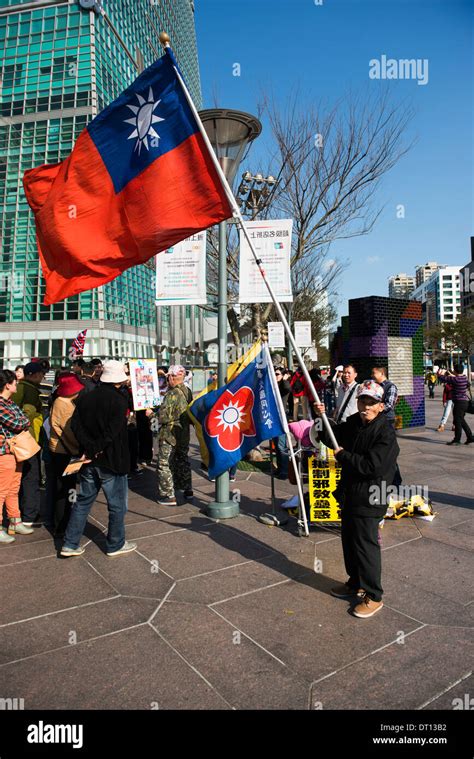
(362, 555)
(62, 491)
(145, 437)
(30, 494)
(460, 424)
(133, 446)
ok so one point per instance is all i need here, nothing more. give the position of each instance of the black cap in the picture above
(32, 368)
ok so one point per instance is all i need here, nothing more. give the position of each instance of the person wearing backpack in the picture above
(298, 389)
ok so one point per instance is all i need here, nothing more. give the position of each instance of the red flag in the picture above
(78, 344)
(139, 179)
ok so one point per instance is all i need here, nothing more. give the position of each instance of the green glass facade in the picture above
(60, 65)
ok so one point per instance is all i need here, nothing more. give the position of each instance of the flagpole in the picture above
(284, 421)
(165, 41)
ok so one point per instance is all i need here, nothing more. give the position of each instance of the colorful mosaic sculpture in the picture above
(388, 332)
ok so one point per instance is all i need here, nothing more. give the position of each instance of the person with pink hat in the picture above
(367, 453)
(62, 445)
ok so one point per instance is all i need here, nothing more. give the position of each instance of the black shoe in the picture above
(188, 494)
(454, 442)
(469, 440)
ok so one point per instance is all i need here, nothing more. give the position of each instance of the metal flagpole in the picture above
(164, 39)
(284, 421)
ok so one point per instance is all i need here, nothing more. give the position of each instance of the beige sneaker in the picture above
(367, 608)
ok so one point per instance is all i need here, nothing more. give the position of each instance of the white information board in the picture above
(276, 335)
(303, 334)
(181, 273)
(272, 241)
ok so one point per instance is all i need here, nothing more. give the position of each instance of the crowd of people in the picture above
(89, 437)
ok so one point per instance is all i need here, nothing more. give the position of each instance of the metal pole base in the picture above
(273, 519)
(217, 510)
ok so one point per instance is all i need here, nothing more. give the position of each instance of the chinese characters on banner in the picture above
(323, 479)
(272, 241)
(303, 334)
(181, 273)
(145, 386)
(262, 396)
(276, 335)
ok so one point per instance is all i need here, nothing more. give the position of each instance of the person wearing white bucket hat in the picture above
(367, 453)
(99, 424)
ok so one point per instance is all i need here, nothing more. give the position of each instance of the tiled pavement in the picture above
(232, 615)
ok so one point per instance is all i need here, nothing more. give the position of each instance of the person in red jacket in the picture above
(299, 391)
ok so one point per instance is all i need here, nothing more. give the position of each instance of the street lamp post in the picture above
(229, 133)
(254, 192)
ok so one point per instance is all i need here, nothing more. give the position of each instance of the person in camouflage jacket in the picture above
(174, 471)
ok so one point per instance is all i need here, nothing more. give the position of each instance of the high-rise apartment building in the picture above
(440, 296)
(63, 62)
(423, 273)
(400, 286)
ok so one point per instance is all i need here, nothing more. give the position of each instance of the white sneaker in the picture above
(66, 551)
(5, 538)
(126, 548)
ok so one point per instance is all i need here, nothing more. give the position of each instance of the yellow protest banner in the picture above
(324, 476)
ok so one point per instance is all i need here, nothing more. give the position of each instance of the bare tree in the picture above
(331, 162)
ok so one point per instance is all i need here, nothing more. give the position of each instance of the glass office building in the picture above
(61, 63)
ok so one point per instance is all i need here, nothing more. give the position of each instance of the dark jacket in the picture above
(369, 459)
(99, 424)
(284, 388)
(89, 384)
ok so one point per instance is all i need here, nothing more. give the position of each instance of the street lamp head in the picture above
(258, 178)
(246, 176)
(229, 133)
(271, 180)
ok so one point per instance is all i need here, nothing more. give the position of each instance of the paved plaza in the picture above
(232, 615)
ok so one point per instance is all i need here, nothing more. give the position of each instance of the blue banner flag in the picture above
(233, 419)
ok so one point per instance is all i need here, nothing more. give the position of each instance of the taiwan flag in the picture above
(139, 179)
(235, 418)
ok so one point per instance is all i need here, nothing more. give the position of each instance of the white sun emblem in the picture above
(143, 120)
(230, 416)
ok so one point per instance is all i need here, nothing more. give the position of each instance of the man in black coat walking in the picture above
(99, 424)
(367, 453)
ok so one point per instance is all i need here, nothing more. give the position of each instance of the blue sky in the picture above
(325, 49)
